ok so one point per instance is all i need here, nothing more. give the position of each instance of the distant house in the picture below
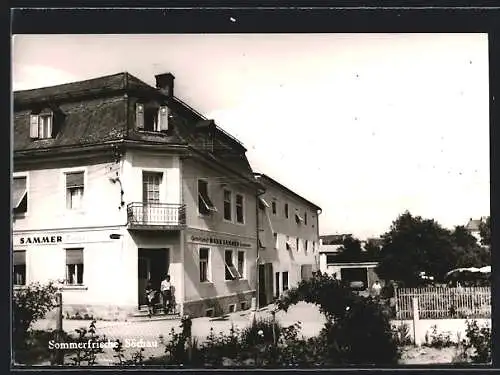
(350, 270)
(473, 227)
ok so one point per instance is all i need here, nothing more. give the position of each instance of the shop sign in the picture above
(219, 241)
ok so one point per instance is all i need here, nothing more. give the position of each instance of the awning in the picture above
(288, 245)
(207, 202)
(262, 203)
(19, 191)
(233, 271)
(19, 257)
(298, 218)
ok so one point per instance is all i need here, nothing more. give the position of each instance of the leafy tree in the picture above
(350, 249)
(372, 249)
(469, 253)
(485, 232)
(414, 245)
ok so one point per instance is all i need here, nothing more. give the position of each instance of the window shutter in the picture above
(34, 126)
(139, 116)
(163, 118)
(74, 256)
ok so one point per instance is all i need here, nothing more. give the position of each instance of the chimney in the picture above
(165, 83)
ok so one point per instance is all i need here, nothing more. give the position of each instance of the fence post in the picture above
(59, 353)
(416, 339)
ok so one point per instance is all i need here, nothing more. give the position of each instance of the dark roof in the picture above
(267, 179)
(74, 90)
(95, 111)
(334, 239)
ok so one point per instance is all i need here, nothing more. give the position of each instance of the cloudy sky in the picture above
(364, 125)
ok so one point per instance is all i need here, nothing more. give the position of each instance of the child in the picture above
(150, 297)
(166, 292)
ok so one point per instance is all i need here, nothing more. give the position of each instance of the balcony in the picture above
(156, 216)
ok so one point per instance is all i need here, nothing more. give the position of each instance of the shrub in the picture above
(438, 340)
(30, 304)
(401, 334)
(358, 329)
(479, 340)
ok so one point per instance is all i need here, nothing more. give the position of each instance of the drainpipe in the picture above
(257, 284)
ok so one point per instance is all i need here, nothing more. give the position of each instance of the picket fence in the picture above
(444, 303)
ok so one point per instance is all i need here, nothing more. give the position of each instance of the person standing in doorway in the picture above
(376, 288)
(150, 297)
(166, 292)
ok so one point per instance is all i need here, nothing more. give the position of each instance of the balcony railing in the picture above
(156, 215)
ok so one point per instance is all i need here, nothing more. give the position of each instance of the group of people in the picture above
(166, 294)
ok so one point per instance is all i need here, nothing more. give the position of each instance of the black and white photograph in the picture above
(308, 200)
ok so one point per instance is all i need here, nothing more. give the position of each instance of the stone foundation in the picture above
(97, 312)
(220, 305)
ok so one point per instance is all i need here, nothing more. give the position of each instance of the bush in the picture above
(438, 340)
(478, 341)
(30, 304)
(401, 334)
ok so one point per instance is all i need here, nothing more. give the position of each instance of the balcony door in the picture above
(151, 182)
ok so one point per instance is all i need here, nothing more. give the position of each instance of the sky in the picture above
(366, 126)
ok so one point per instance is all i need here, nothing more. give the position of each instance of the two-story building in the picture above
(288, 239)
(117, 182)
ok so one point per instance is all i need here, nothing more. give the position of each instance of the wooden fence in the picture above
(444, 303)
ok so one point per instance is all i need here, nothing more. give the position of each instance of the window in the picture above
(275, 235)
(241, 264)
(41, 126)
(298, 218)
(74, 190)
(274, 207)
(74, 266)
(151, 117)
(20, 195)
(19, 277)
(151, 187)
(286, 210)
(227, 205)
(232, 308)
(297, 242)
(231, 271)
(209, 313)
(243, 306)
(285, 280)
(288, 244)
(240, 213)
(305, 218)
(314, 247)
(305, 246)
(277, 284)
(205, 205)
(204, 256)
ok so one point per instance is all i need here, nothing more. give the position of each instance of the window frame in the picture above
(235, 276)
(230, 220)
(283, 289)
(82, 264)
(244, 265)
(14, 274)
(286, 210)
(243, 208)
(64, 173)
(208, 270)
(40, 129)
(276, 241)
(274, 207)
(153, 172)
(26, 176)
(210, 209)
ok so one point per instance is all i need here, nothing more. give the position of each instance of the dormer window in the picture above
(151, 118)
(41, 125)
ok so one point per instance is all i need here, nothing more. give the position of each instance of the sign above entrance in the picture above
(219, 241)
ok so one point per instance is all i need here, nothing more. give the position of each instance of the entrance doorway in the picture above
(153, 265)
(265, 284)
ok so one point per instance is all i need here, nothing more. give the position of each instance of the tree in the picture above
(350, 249)
(414, 245)
(485, 232)
(469, 253)
(372, 249)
